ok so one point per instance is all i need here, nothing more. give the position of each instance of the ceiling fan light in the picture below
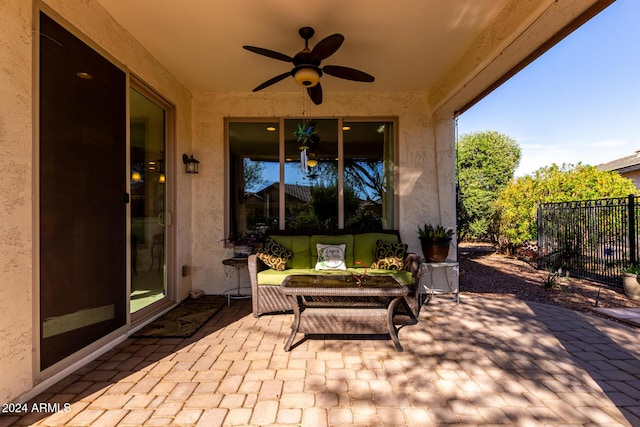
(306, 77)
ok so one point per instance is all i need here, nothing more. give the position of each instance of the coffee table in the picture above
(337, 304)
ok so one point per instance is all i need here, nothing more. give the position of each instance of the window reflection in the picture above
(254, 174)
(368, 174)
(311, 169)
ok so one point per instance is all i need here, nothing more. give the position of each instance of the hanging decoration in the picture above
(307, 138)
(306, 131)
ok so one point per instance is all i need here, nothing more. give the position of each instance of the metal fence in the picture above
(592, 239)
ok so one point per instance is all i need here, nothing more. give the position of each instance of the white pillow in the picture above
(330, 257)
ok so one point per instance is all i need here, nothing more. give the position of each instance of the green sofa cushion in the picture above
(299, 247)
(275, 278)
(365, 246)
(347, 239)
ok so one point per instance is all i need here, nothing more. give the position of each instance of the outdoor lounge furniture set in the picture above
(337, 281)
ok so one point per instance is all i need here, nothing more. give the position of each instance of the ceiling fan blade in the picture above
(271, 81)
(315, 93)
(270, 53)
(327, 46)
(347, 73)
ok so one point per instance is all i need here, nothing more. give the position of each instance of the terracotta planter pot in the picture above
(631, 286)
(435, 250)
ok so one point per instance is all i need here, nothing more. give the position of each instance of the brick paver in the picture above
(489, 361)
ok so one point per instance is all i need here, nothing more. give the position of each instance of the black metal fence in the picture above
(592, 239)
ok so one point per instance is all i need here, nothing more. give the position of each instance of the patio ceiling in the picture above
(453, 50)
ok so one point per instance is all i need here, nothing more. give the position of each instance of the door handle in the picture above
(165, 219)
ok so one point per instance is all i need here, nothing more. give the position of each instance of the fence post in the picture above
(540, 240)
(632, 229)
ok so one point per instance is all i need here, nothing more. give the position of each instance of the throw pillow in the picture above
(389, 256)
(330, 257)
(274, 254)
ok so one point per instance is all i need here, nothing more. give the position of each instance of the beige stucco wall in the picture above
(17, 196)
(418, 173)
(633, 176)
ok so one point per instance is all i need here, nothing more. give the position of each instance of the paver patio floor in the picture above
(495, 361)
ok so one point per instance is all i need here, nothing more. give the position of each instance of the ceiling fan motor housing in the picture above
(306, 64)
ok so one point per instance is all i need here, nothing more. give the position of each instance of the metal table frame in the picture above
(431, 290)
(235, 264)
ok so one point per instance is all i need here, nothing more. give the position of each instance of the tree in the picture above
(324, 204)
(486, 163)
(517, 204)
(253, 174)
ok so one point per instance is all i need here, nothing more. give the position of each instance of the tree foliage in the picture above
(486, 163)
(517, 204)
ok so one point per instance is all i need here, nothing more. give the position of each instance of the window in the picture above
(341, 175)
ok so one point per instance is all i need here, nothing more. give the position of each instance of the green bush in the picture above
(486, 163)
(517, 204)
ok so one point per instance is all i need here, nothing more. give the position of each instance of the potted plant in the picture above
(630, 282)
(435, 241)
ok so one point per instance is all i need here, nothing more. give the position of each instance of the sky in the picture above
(578, 102)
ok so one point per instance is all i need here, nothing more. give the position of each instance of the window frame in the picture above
(228, 121)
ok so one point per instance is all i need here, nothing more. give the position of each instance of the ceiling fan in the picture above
(306, 64)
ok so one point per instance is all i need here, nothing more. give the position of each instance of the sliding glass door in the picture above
(82, 195)
(149, 219)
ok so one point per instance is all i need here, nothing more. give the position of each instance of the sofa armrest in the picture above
(412, 263)
(254, 265)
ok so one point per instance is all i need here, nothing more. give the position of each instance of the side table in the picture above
(453, 286)
(230, 265)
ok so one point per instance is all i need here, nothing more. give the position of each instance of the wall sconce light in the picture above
(136, 176)
(190, 164)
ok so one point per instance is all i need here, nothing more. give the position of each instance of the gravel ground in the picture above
(484, 272)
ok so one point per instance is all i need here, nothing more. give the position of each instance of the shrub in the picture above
(517, 204)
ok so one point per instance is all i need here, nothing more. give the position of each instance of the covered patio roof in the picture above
(456, 51)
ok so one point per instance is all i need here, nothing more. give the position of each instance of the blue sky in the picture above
(579, 102)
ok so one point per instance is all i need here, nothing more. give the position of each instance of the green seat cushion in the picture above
(402, 276)
(299, 247)
(347, 239)
(364, 246)
(275, 278)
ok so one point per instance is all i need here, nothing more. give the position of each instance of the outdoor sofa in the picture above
(360, 249)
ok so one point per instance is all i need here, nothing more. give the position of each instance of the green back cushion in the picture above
(365, 246)
(347, 239)
(299, 247)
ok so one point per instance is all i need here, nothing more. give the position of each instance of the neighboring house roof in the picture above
(300, 192)
(625, 164)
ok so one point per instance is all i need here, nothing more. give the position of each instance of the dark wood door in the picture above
(82, 194)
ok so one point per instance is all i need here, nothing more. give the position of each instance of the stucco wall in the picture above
(418, 173)
(633, 176)
(17, 197)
